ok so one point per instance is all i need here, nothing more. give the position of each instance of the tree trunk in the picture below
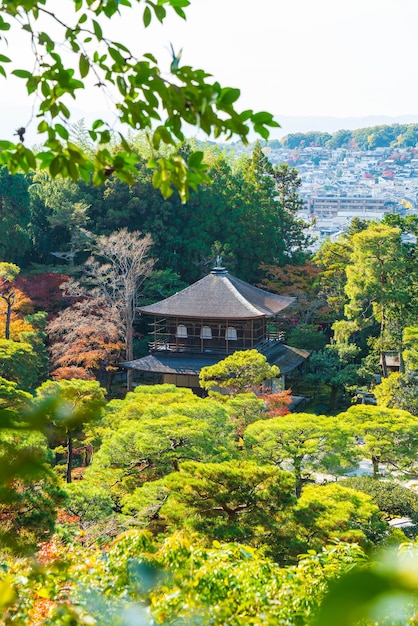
(129, 352)
(384, 366)
(401, 361)
(89, 454)
(382, 352)
(129, 379)
(109, 380)
(375, 462)
(298, 477)
(333, 397)
(69, 458)
(9, 302)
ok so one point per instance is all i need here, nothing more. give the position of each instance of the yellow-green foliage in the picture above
(241, 371)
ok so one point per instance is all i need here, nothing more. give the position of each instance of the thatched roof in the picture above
(219, 295)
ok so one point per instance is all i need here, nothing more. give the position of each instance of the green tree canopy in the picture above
(14, 216)
(241, 371)
(18, 363)
(11, 397)
(391, 497)
(73, 403)
(390, 436)
(328, 512)
(229, 500)
(146, 436)
(306, 442)
(29, 490)
(333, 366)
(381, 283)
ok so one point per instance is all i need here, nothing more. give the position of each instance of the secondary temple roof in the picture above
(219, 295)
(286, 357)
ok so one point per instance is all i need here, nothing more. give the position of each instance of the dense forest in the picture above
(110, 499)
(47, 221)
(384, 136)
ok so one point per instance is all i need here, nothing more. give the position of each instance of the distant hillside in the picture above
(299, 124)
(365, 138)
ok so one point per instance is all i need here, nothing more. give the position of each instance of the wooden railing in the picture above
(211, 347)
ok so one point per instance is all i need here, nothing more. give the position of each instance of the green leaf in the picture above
(150, 56)
(160, 13)
(55, 167)
(180, 12)
(22, 73)
(65, 112)
(229, 95)
(4, 59)
(120, 46)
(30, 158)
(84, 65)
(62, 131)
(72, 169)
(262, 118)
(45, 88)
(122, 86)
(104, 137)
(4, 25)
(32, 84)
(147, 17)
(195, 159)
(97, 124)
(261, 130)
(246, 115)
(162, 134)
(116, 56)
(97, 30)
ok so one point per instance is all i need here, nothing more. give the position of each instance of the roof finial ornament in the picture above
(218, 269)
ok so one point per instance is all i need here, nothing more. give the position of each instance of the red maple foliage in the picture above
(277, 403)
(85, 341)
(44, 290)
(65, 518)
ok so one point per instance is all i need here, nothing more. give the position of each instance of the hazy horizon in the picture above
(307, 63)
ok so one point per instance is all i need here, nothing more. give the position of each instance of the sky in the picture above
(334, 58)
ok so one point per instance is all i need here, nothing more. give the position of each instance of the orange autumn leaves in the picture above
(22, 306)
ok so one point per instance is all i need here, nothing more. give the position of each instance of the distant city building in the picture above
(327, 206)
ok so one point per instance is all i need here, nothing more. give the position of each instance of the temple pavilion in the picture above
(209, 320)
